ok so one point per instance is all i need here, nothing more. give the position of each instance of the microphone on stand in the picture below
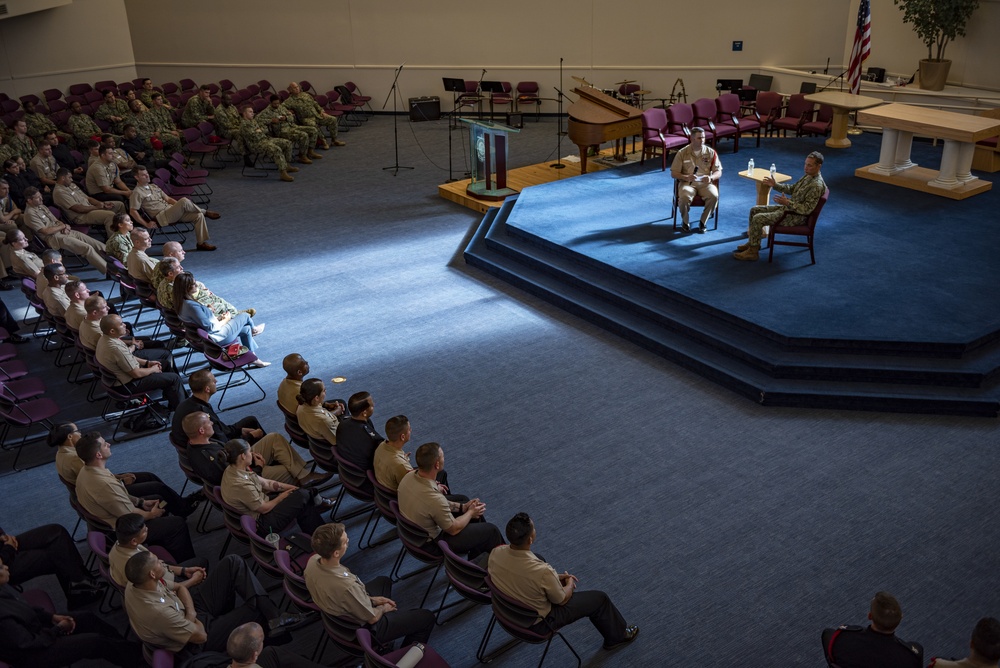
(827, 68)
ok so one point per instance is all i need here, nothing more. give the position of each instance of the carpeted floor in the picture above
(731, 533)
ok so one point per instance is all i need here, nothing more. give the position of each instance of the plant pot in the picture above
(934, 74)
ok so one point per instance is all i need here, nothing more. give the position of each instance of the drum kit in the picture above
(623, 91)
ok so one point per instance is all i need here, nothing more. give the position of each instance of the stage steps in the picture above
(919, 377)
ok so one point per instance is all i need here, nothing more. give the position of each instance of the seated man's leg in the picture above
(168, 382)
(176, 505)
(87, 247)
(48, 549)
(92, 638)
(297, 507)
(412, 626)
(280, 459)
(171, 533)
(330, 123)
(279, 657)
(684, 197)
(598, 607)
(217, 596)
(710, 194)
(475, 539)
(187, 211)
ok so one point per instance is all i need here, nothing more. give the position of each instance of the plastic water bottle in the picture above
(773, 170)
(750, 167)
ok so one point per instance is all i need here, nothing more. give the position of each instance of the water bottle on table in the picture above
(750, 168)
(773, 170)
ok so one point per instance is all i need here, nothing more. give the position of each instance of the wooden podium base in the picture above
(918, 178)
(479, 190)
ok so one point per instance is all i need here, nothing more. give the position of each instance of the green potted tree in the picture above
(936, 23)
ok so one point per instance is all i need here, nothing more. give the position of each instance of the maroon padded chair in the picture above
(680, 119)
(806, 229)
(728, 109)
(768, 109)
(656, 138)
(797, 111)
(704, 117)
(527, 93)
(821, 124)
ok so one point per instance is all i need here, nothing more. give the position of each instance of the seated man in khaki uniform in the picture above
(104, 496)
(166, 615)
(522, 575)
(104, 180)
(138, 374)
(56, 299)
(59, 235)
(339, 592)
(76, 313)
(148, 199)
(139, 264)
(460, 524)
(392, 463)
(78, 207)
(130, 534)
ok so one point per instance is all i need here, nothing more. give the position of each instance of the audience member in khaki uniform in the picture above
(312, 414)
(249, 493)
(78, 207)
(104, 181)
(296, 368)
(59, 235)
(522, 575)
(140, 265)
(339, 592)
(44, 165)
(139, 374)
(984, 648)
(461, 525)
(68, 464)
(104, 496)
(152, 201)
(56, 300)
(130, 534)
(76, 312)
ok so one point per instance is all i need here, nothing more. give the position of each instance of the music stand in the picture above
(456, 87)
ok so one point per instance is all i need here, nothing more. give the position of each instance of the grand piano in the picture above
(597, 118)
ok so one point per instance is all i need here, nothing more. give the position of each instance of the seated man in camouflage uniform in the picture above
(199, 108)
(281, 120)
(255, 139)
(39, 124)
(227, 117)
(147, 93)
(82, 126)
(308, 111)
(112, 112)
(158, 124)
(23, 145)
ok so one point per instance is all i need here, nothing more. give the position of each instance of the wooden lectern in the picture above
(488, 148)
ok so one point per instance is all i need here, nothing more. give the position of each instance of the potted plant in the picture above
(936, 23)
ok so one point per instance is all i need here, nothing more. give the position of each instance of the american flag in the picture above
(862, 45)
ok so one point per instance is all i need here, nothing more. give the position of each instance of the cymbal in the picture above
(642, 92)
(582, 80)
(626, 81)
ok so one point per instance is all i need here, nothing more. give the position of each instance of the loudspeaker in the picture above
(515, 120)
(876, 74)
(425, 108)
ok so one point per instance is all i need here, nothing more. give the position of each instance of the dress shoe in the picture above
(313, 479)
(702, 229)
(205, 246)
(314, 155)
(686, 226)
(17, 338)
(4, 285)
(631, 633)
(284, 176)
(213, 215)
(751, 254)
(305, 160)
(88, 586)
(292, 169)
(337, 142)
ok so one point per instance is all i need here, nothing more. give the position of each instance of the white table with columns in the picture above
(960, 132)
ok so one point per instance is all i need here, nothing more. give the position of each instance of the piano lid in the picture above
(597, 107)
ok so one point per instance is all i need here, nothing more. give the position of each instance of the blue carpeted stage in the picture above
(899, 313)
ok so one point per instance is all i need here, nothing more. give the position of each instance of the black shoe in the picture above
(4, 285)
(287, 621)
(702, 229)
(18, 339)
(686, 227)
(631, 633)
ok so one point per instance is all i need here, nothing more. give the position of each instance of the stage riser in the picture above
(803, 383)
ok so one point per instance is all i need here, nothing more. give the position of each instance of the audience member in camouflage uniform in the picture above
(227, 117)
(147, 93)
(159, 125)
(168, 269)
(199, 108)
(7, 152)
(308, 111)
(112, 112)
(120, 243)
(23, 145)
(281, 120)
(255, 139)
(39, 124)
(82, 126)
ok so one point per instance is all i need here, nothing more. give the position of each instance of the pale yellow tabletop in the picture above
(763, 190)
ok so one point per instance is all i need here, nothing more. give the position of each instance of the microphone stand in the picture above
(393, 92)
(559, 133)
(830, 83)
(479, 94)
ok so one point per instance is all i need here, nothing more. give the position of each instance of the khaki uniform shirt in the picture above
(103, 495)
(140, 265)
(687, 160)
(242, 490)
(101, 174)
(318, 422)
(68, 465)
(90, 334)
(390, 465)
(149, 198)
(114, 356)
(522, 575)
(75, 314)
(157, 617)
(422, 502)
(69, 196)
(287, 391)
(41, 285)
(38, 217)
(338, 591)
(56, 300)
(27, 264)
(44, 167)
